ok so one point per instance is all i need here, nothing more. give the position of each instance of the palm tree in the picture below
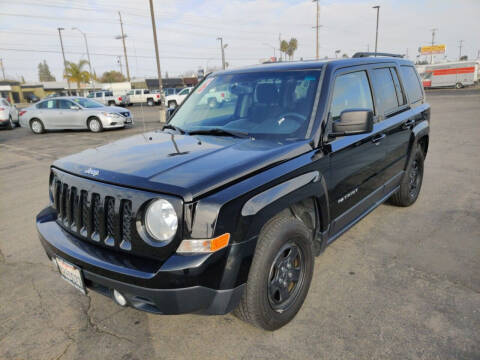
(284, 47)
(292, 47)
(75, 73)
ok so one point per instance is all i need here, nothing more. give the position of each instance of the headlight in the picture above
(161, 221)
(111, 114)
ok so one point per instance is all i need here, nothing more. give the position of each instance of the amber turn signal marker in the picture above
(219, 242)
(193, 246)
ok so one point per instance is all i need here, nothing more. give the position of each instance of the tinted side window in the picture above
(64, 104)
(384, 90)
(108, 93)
(49, 104)
(138, 92)
(411, 83)
(400, 95)
(146, 91)
(351, 91)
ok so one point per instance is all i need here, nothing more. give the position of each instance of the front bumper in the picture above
(207, 283)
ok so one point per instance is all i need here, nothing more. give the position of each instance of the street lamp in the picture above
(376, 34)
(64, 59)
(92, 84)
(222, 47)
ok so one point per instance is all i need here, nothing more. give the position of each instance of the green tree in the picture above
(44, 73)
(112, 76)
(75, 73)
(284, 47)
(292, 47)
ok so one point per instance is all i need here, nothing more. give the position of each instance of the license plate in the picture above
(72, 274)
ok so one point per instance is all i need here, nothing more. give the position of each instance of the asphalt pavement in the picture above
(404, 283)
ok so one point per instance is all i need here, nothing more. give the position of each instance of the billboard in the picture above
(432, 49)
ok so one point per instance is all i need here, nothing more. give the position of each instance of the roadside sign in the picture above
(432, 49)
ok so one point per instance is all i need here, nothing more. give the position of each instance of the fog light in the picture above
(119, 298)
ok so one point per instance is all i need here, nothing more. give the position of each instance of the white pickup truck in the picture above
(175, 100)
(142, 96)
(107, 98)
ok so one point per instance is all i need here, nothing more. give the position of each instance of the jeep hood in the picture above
(182, 165)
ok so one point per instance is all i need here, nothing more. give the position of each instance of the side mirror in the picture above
(74, 107)
(170, 112)
(353, 122)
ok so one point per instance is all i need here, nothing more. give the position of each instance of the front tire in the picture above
(458, 85)
(150, 102)
(95, 125)
(36, 126)
(11, 124)
(280, 274)
(411, 182)
(172, 104)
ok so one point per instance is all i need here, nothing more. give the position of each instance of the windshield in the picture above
(87, 103)
(271, 104)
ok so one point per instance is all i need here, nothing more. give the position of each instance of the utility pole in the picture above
(280, 46)
(64, 60)
(88, 56)
(460, 49)
(317, 29)
(3, 69)
(376, 34)
(223, 51)
(433, 43)
(123, 36)
(163, 115)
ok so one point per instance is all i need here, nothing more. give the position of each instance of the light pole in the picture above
(123, 36)
(274, 49)
(460, 50)
(92, 84)
(317, 28)
(376, 34)
(222, 47)
(64, 60)
(433, 43)
(163, 115)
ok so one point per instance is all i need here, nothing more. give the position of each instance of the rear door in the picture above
(47, 112)
(394, 120)
(356, 161)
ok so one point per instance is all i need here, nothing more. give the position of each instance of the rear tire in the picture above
(284, 254)
(150, 102)
(111, 103)
(95, 125)
(411, 182)
(36, 126)
(458, 85)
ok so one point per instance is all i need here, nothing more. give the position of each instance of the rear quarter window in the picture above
(411, 83)
(384, 90)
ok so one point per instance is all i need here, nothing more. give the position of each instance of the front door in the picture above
(68, 115)
(354, 178)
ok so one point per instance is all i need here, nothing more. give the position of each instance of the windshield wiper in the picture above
(220, 132)
(173, 127)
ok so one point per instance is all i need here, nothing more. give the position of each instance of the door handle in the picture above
(409, 123)
(377, 138)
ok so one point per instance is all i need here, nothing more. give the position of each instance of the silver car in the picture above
(73, 112)
(8, 114)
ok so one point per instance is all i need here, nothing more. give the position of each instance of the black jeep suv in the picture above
(227, 206)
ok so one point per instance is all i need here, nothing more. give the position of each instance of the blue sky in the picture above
(187, 31)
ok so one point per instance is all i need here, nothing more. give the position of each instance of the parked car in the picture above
(73, 112)
(107, 98)
(142, 96)
(226, 207)
(8, 114)
(32, 98)
(217, 96)
(175, 100)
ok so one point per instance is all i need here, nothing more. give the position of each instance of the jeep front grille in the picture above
(93, 216)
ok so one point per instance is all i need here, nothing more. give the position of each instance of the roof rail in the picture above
(368, 54)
